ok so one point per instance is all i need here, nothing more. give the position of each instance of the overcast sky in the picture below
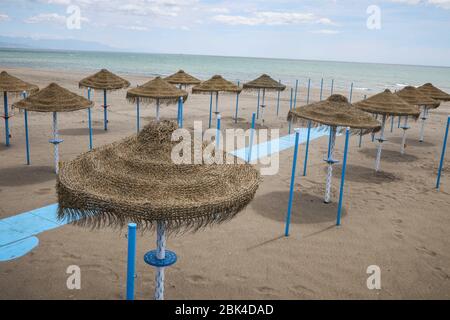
(412, 31)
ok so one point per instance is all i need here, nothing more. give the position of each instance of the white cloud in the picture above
(4, 17)
(325, 31)
(272, 18)
(134, 28)
(50, 18)
(46, 17)
(445, 4)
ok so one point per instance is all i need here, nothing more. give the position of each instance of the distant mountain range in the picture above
(55, 44)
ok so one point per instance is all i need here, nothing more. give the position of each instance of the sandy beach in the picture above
(395, 219)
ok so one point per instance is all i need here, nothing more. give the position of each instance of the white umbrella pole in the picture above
(404, 127)
(380, 144)
(160, 254)
(263, 105)
(330, 162)
(157, 110)
(422, 127)
(55, 141)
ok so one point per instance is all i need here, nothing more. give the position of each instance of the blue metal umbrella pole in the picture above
(160, 259)
(105, 110)
(252, 133)
(237, 106)
(218, 135)
(6, 117)
(131, 261)
(138, 116)
(295, 95)
(441, 163)
(344, 167)
(392, 123)
(180, 101)
(210, 109)
(305, 164)
(90, 121)
(309, 91)
(290, 108)
(360, 139)
(27, 140)
(278, 99)
(381, 139)
(292, 185)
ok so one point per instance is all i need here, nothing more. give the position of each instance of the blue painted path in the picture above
(268, 148)
(18, 233)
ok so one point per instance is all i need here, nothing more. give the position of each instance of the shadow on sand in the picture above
(363, 174)
(411, 142)
(25, 175)
(306, 208)
(389, 155)
(81, 131)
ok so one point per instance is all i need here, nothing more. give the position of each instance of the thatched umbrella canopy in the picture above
(157, 90)
(264, 83)
(414, 96)
(387, 104)
(136, 180)
(334, 112)
(107, 81)
(182, 78)
(435, 93)
(215, 85)
(54, 98)
(12, 85)
(104, 80)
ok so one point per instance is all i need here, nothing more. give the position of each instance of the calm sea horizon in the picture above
(366, 77)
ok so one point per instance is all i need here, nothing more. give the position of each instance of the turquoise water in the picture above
(366, 76)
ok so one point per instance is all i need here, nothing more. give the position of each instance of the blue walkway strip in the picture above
(268, 148)
(18, 233)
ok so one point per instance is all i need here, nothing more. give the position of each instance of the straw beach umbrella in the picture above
(12, 85)
(387, 105)
(215, 85)
(156, 90)
(182, 78)
(415, 97)
(435, 93)
(136, 180)
(264, 83)
(54, 99)
(107, 81)
(334, 112)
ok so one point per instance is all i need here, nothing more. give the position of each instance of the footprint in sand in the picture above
(426, 251)
(102, 270)
(265, 290)
(43, 191)
(197, 279)
(441, 273)
(299, 289)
